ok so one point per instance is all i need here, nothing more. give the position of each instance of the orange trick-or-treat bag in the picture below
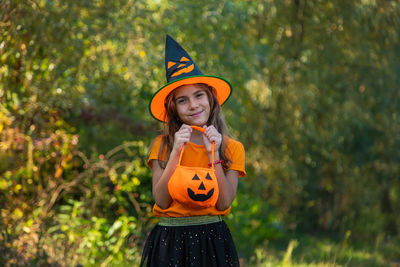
(194, 186)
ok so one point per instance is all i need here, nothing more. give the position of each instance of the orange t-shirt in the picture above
(196, 156)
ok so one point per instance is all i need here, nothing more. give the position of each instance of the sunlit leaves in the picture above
(315, 102)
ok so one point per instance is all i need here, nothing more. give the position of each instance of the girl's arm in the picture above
(160, 181)
(161, 176)
(227, 182)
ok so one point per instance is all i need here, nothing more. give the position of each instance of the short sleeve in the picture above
(155, 151)
(236, 154)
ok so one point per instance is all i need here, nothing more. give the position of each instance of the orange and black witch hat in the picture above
(181, 70)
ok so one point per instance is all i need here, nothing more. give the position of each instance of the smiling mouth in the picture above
(196, 114)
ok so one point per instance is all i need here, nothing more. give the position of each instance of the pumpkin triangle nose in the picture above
(202, 187)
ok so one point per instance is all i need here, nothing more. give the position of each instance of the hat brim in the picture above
(222, 88)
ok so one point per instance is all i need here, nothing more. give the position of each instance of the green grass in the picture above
(306, 250)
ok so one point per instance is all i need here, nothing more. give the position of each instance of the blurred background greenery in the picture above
(316, 103)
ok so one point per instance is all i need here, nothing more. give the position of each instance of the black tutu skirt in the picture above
(205, 245)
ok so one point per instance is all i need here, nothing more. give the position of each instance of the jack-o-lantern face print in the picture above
(202, 193)
(185, 66)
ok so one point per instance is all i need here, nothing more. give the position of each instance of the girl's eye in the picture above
(199, 95)
(180, 101)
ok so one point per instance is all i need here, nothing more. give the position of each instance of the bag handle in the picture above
(212, 146)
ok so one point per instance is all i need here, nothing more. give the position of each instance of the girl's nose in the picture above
(192, 103)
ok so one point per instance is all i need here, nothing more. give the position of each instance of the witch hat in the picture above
(181, 70)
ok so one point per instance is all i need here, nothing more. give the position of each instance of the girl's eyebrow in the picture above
(196, 92)
(182, 96)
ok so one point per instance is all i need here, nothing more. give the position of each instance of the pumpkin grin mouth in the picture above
(200, 197)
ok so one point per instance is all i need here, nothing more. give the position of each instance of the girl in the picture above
(195, 168)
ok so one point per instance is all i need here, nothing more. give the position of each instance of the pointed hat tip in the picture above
(169, 38)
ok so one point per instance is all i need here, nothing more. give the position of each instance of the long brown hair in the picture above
(174, 123)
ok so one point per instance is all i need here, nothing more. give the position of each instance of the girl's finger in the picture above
(185, 126)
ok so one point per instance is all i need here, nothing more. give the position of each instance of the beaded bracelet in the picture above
(215, 163)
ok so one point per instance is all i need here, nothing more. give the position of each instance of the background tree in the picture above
(315, 102)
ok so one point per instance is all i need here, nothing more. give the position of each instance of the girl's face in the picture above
(192, 104)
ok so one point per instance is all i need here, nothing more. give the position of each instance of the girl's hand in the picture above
(181, 137)
(211, 135)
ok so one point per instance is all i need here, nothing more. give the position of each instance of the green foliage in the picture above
(93, 240)
(58, 204)
(252, 222)
(315, 103)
